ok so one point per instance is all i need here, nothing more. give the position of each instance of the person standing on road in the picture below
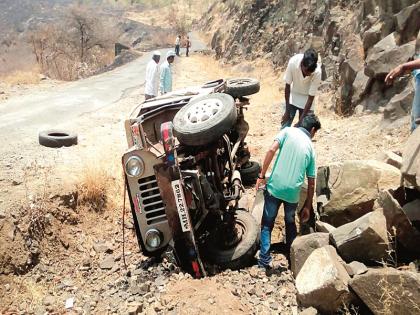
(166, 73)
(400, 70)
(152, 77)
(295, 159)
(177, 44)
(187, 46)
(303, 77)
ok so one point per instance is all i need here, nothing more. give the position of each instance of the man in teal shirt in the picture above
(295, 160)
(166, 73)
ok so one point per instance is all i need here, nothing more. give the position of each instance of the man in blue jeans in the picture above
(295, 160)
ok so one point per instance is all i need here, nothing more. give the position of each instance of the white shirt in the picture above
(302, 87)
(152, 78)
(177, 41)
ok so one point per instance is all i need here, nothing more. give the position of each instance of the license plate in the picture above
(181, 206)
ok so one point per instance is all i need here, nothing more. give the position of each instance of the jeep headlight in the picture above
(153, 238)
(134, 166)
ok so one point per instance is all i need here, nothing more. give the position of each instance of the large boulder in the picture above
(410, 168)
(365, 239)
(361, 85)
(351, 187)
(323, 281)
(412, 210)
(388, 291)
(398, 223)
(408, 22)
(379, 65)
(400, 105)
(303, 246)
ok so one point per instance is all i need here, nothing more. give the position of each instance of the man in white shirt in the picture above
(152, 77)
(177, 44)
(303, 77)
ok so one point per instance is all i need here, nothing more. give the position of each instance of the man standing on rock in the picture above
(303, 77)
(152, 77)
(406, 67)
(166, 73)
(295, 160)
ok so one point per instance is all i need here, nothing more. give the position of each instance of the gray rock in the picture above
(107, 263)
(388, 291)
(410, 168)
(349, 194)
(407, 22)
(309, 311)
(391, 158)
(323, 281)
(134, 309)
(102, 247)
(323, 227)
(398, 223)
(303, 246)
(365, 239)
(379, 64)
(412, 210)
(356, 268)
(48, 300)
(400, 105)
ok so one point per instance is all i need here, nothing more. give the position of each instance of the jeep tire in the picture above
(243, 253)
(238, 87)
(205, 119)
(249, 172)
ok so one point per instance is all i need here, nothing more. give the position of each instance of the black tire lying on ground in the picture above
(249, 172)
(205, 119)
(57, 138)
(238, 87)
(243, 253)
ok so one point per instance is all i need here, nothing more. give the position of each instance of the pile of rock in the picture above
(369, 217)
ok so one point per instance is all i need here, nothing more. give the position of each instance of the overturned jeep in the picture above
(185, 169)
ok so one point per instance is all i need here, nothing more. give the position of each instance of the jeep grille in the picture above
(151, 201)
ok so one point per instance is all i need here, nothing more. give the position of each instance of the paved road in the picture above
(25, 116)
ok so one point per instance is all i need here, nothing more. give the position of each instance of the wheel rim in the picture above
(239, 82)
(240, 231)
(203, 111)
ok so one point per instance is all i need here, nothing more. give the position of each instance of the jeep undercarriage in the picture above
(185, 171)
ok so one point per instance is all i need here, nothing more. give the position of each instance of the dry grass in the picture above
(21, 77)
(101, 185)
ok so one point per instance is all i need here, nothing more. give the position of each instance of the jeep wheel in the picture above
(242, 252)
(249, 172)
(205, 119)
(238, 87)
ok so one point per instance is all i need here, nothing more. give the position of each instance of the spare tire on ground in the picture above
(57, 138)
(205, 119)
(238, 87)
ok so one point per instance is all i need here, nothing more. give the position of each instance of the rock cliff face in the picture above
(358, 41)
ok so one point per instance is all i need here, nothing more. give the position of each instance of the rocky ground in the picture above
(69, 253)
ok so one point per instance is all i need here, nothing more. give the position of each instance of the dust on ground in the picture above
(70, 264)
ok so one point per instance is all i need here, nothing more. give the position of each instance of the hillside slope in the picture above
(354, 38)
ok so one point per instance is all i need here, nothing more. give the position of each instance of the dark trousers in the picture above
(292, 113)
(177, 50)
